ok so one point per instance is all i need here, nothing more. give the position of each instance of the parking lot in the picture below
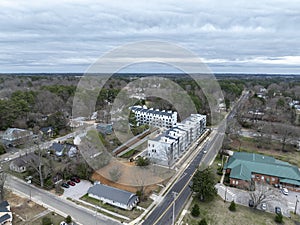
(77, 191)
(285, 202)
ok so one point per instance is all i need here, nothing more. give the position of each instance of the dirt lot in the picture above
(132, 177)
(217, 213)
(27, 212)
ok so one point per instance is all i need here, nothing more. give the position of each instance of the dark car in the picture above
(65, 185)
(71, 183)
(75, 179)
(251, 203)
(277, 210)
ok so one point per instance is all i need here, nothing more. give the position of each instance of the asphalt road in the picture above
(58, 204)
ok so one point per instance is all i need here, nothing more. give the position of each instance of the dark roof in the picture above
(4, 218)
(113, 194)
(3, 206)
(23, 160)
(57, 147)
(152, 111)
(45, 130)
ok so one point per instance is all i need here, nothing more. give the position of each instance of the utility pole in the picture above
(174, 196)
(225, 194)
(295, 212)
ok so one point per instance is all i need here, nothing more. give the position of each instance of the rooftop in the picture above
(243, 164)
(113, 194)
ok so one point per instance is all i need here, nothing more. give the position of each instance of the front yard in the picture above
(217, 213)
(130, 214)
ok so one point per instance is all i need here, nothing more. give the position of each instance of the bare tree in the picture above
(263, 193)
(2, 181)
(40, 166)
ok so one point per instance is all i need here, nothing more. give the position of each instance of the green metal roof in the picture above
(240, 172)
(242, 164)
(288, 181)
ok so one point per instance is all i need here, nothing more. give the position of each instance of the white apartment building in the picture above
(157, 118)
(169, 146)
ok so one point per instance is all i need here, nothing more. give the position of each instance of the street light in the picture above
(174, 196)
(295, 212)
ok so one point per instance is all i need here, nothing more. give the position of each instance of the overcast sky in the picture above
(230, 36)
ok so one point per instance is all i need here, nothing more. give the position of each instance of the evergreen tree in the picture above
(232, 206)
(202, 222)
(204, 184)
(195, 210)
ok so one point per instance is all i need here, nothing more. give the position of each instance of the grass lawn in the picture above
(55, 218)
(217, 213)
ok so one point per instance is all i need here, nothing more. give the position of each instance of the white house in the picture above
(154, 117)
(170, 145)
(16, 136)
(113, 196)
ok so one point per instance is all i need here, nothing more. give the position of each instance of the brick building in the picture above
(244, 168)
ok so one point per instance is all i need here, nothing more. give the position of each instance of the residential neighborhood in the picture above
(149, 112)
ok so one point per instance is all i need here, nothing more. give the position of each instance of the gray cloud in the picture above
(231, 36)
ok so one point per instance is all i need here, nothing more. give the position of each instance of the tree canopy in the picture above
(204, 184)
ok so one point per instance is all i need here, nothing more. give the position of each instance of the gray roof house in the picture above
(113, 196)
(16, 136)
(20, 164)
(5, 213)
(47, 131)
(58, 148)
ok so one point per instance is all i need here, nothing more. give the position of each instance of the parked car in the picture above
(65, 185)
(71, 183)
(263, 206)
(251, 203)
(75, 179)
(285, 191)
(204, 151)
(277, 210)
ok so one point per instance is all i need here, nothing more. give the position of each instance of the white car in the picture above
(205, 151)
(285, 191)
(263, 206)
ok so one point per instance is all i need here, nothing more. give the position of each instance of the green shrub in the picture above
(278, 218)
(68, 219)
(232, 206)
(202, 222)
(46, 221)
(195, 210)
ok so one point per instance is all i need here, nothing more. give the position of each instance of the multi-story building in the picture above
(154, 117)
(171, 144)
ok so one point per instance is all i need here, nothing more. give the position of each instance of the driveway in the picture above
(77, 191)
(287, 202)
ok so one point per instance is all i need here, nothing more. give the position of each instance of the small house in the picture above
(16, 136)
(21, 163)
(47, 132)
(113, 196)
(58, 149)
